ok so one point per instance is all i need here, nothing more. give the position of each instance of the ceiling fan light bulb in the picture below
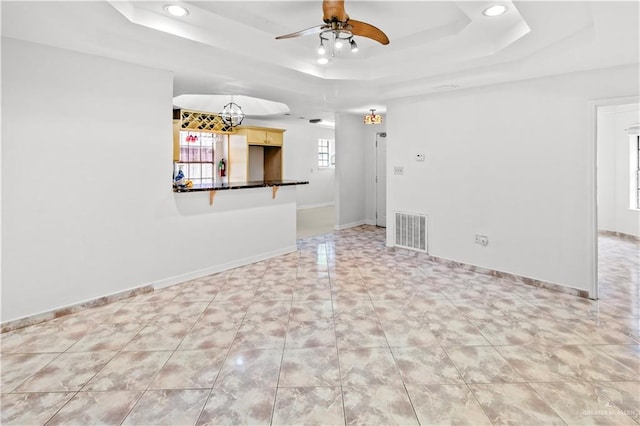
(321, 49)
(338, 44)
(354, 46)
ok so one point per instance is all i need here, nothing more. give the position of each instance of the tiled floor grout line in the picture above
(335, 338)
(133, 406)
(621, 409)
(284, 347)
(525, 381)
(61, 407)
(59, 354)
(89, 380)
(223, 362)
(547, 403)
(395, 362)
(100, 370)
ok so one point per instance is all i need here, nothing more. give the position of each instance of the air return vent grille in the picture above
(411, 231)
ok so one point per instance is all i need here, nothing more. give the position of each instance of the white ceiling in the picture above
(229, 47)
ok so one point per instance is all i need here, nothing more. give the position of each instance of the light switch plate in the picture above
(419, 157)
(398, 170)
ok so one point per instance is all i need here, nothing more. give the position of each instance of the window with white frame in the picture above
(326, 153)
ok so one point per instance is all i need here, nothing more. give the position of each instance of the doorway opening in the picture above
(611, 177)
(316, 214)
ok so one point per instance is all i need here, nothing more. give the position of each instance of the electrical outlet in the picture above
(398, 170)
(483, 240)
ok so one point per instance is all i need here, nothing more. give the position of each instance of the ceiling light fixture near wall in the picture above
(495, 10)
(175, 10)
(373, 118)
(322, 60)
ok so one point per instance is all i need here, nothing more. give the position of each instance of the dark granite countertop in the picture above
(240, 185)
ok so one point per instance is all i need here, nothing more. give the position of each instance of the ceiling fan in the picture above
(337, 21)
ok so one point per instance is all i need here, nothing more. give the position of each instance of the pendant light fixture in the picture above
(232, 114)
(373, 118)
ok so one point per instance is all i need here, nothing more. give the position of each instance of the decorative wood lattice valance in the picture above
(198, 121)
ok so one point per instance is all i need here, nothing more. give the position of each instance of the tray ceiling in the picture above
(229, 47)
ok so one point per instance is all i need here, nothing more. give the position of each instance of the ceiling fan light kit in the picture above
(336, 40)
(339, 29)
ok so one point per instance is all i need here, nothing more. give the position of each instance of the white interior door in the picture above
(381, 179)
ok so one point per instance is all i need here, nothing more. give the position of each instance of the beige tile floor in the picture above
(345, 331)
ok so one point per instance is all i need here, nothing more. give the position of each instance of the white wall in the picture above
(301, 159)
(606, 158)
(510, 162)
(614, 213)
(351, 166)
(87, 205)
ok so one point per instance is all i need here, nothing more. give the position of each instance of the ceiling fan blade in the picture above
(367, 30)
(309, 31)
(333, 11)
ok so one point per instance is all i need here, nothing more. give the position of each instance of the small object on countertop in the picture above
(179, 179)
(189, 184)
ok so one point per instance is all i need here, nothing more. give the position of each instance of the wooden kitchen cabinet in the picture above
(176, 140)
(256, 154)
(261, 135)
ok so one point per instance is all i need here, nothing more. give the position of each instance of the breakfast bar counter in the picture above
(239, 185)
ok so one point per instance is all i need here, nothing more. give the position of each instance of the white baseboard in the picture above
(316, 205)
(349, 225)
(73, 308)
(167, 282)
(149, 287)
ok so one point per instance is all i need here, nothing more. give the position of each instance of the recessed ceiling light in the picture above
(175, 10)
(495, 10)
(322, 60)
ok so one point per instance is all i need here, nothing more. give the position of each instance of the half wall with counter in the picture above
(219, 173)
(115, 227)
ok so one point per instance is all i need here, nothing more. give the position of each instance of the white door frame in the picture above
(592, 176)
(375, 177)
